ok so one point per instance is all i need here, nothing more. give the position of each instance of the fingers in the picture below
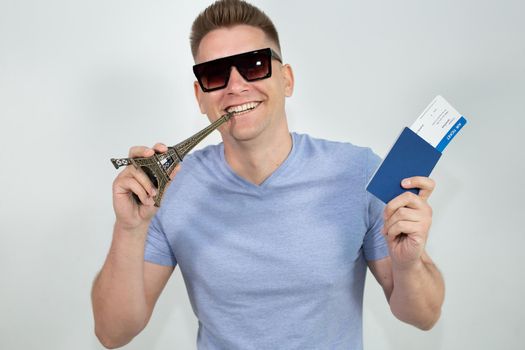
(407, 213)
(407, 199)
(133, 180)
(409, 218)
(133, 175)
(143, 151)
(425, 184)
(160, 148)
(401, 227)
(140, 151)
(403, 214)
(131, 185)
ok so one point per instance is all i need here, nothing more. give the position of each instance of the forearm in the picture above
(118, 295)
(418, 293)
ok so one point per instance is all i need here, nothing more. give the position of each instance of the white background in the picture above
(81, 81)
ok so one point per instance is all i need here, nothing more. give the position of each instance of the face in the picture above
(267, 96)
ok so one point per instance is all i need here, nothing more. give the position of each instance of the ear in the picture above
(288, 80)
(199, 96)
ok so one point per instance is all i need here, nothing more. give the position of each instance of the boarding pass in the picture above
(439, 123)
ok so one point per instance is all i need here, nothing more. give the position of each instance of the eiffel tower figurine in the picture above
(159, 166)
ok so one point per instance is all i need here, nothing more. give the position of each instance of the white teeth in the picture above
(243, 108)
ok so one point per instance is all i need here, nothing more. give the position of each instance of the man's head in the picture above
(237, 73)
(229, 13)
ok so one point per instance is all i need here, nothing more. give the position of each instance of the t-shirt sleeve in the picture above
(158, 249)
(374, 245)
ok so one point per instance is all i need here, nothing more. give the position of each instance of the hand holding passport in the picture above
(417, 149)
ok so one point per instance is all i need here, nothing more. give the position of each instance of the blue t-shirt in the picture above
(281, 265)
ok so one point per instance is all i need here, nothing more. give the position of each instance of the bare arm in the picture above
(416, 295)
(412, 283)
(126, 289)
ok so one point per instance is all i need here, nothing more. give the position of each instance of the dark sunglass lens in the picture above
(254, 66)
(214, 75)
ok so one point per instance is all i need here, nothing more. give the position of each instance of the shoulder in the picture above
(202, 161)
(205, 154)
(343, 153)
(196, 170)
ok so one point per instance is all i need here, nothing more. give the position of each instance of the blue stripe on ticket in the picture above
(450, 135)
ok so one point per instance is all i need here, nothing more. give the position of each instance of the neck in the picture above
(255, 160)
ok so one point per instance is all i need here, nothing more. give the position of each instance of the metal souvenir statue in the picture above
(159, 166)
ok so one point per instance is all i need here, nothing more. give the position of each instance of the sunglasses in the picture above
(252, 66)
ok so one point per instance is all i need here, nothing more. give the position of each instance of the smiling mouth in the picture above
(242, 109)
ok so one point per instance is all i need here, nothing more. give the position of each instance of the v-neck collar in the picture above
(274, 176)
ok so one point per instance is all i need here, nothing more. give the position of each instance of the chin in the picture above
(244, 134)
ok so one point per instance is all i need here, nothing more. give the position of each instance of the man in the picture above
(272, 230)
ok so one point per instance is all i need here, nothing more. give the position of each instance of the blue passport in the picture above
(417, 150)
(410, 156)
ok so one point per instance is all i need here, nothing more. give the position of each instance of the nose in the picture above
(236, 84)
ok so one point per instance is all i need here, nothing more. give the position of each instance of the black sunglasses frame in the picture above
(233, 61)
